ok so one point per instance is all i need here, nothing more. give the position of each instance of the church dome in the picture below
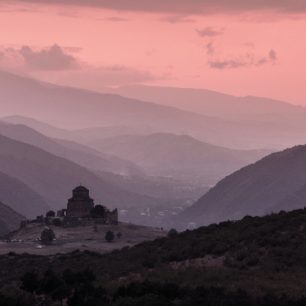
(80, 188)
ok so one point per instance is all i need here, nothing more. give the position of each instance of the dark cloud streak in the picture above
(243, 61)
(201, 7)
(209, 32)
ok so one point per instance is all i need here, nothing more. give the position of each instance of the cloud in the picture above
(95, 78)
(198, 7)
(209, 32)
(177, 19)
(115, 19)
(52, 58)
(56, 62)
(210, 48)
(249, 60)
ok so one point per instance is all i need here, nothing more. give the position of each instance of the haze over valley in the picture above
(150, 159)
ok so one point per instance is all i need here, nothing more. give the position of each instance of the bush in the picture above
(109, 236)
(47, 235)
(57, 222)
(172, 233)
(50, 214)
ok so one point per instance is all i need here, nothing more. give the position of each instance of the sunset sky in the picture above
(239, 47)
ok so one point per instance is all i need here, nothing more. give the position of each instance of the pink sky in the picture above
(243, 50)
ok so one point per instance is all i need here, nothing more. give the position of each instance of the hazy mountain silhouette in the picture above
(80, 154)
(9, 219)
(179, 156)
(76, 108)
(80, 135)
(20, 197)
(208, 102)
(121, 173)
(54, 177)
(39, 126)
(277, 182)
(270, 122)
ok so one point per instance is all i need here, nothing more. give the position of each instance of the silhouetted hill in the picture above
(76, 108)
(39, 126)
(20, 197)
(9, 219)
(80, 154)
(178, 156)
(54, 177)
(258, 261)
(276, 182)
(273, 123)
(210, 103)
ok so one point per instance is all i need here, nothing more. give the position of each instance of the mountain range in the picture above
(53, 177)
(178, 156)
(75, 109)
(9, 219)
(276, 182)
(80, 154)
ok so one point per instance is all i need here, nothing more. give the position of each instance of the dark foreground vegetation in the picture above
(255, 261)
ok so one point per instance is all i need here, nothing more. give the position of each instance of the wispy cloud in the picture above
(52, 58)
(248, 60)
(115, 19)
(49, 58)
(177, 19)
(209, 32)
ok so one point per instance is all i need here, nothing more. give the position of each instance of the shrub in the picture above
(57, 222)
(172, 233)
(109, 236)
(47, 235)
(50, 214)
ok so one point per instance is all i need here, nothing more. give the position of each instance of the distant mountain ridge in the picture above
(78, 153)
(178, 156)
(20, 197)
(75, 109)
(277, 182)
(208, 102)
(9, 219)
(54, 177)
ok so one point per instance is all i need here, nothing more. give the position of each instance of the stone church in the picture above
(81, 206)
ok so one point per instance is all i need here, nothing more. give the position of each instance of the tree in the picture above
(50, 214)
(30, 282)
(172, 233)
(60, 293)
(47, 235)
(109, 236)
(57, 222)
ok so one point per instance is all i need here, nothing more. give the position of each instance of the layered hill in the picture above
(76, 108)
(211, 103)
(274, 123)
(277, 182)
(80, 154)
(178, 156)
(54, 177)
(20, 197)
(254, 261)
(9, 219)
